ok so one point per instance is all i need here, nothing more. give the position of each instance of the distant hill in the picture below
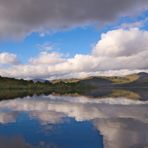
(40, 80)
(134, 86)
(128, 80)
(141, 78)
(65, 80)
(121, 80)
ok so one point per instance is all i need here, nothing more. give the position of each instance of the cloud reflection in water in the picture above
(123, 123)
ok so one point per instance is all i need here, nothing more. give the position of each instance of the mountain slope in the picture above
(130, 85)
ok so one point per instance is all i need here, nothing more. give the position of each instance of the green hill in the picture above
(134, 86)
(104, 80)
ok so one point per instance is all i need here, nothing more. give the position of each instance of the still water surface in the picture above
(73, 122)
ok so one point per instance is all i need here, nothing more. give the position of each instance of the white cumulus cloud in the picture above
(47, 58)
(117, 52)
(8, 58)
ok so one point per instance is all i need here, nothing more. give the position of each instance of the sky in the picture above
(54, 39)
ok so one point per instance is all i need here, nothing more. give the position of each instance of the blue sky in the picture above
(29, 43)
(79, 40)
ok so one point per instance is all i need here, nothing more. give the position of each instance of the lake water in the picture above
(73, 122)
